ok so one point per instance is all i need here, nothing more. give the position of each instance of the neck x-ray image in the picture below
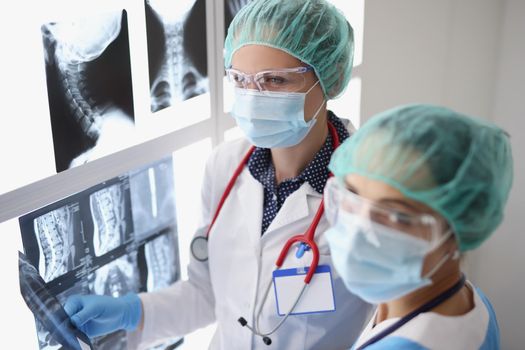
(90, 94)
(176, 34)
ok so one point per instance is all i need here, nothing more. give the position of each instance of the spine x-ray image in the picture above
(54, 326)
(152, 198)
(162, 262)
(55, 240)
(55, 244)
(117, 278)
(117, 237)
(111, 214)
(89, 86)
(176, 34)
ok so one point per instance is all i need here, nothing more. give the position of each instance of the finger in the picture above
(93, 330)
(73, 305)
(83, 316)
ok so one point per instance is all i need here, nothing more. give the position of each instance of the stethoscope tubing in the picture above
(307, 239)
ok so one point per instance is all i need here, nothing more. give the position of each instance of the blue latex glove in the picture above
(97, 315)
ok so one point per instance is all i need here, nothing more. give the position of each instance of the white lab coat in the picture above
(241, 261)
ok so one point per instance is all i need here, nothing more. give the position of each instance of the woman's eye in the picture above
(395, 220)
(274, 80)
(401, 218)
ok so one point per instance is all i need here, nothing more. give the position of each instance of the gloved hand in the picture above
(97, 315)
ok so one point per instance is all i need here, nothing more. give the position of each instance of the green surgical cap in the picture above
(459, 166)
(313, 31)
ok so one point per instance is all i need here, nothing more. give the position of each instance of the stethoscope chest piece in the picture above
(199, 248)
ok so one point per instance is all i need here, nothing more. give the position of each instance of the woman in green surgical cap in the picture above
(285, 59)
(414, 188)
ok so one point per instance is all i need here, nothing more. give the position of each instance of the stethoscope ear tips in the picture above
(267, 341)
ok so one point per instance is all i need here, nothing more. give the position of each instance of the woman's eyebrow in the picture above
(350, 188)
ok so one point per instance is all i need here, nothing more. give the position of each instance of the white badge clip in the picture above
(317, 298)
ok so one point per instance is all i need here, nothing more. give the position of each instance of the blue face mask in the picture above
(378, 263)
(272, 119)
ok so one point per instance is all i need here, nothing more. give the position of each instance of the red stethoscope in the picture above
(199, 245)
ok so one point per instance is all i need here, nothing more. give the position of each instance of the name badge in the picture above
(318, 296)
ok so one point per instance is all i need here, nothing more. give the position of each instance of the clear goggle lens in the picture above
(285, 80)
(421, 225)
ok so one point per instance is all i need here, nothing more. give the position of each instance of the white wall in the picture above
(468, 55)
(441, 52)
(499, 266)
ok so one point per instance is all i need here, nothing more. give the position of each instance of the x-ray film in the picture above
(177, 55)
(112, 239)
(152, 198)
(162, 262)
(57, 234)
(231, 7)
(89, 86)
(111, 216)
(54, 328)
(116, 278)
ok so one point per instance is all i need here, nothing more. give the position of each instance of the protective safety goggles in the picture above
(421, 225)
(275, 80)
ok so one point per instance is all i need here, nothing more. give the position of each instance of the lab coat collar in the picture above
(297, 206)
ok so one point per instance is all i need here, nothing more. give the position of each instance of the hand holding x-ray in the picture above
(47, 310)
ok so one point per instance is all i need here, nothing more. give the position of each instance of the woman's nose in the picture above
(251, 85)
(364, 210)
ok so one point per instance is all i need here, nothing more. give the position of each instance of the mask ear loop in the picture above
(316, 114)
(312, 87)
(453, 256)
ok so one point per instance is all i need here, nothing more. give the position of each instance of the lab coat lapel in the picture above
(300, 204)
(250, 196)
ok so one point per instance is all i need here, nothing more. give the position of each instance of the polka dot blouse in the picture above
(316, 173)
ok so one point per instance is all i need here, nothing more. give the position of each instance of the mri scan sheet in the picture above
(53, 324)
(117, 237)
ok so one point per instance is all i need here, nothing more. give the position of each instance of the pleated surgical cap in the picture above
(313, 31)
(459, 166)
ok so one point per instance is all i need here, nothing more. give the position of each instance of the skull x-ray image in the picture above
(176, 34)
(55, 240)
(89, 87)
(111, 216)
(152, 198)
